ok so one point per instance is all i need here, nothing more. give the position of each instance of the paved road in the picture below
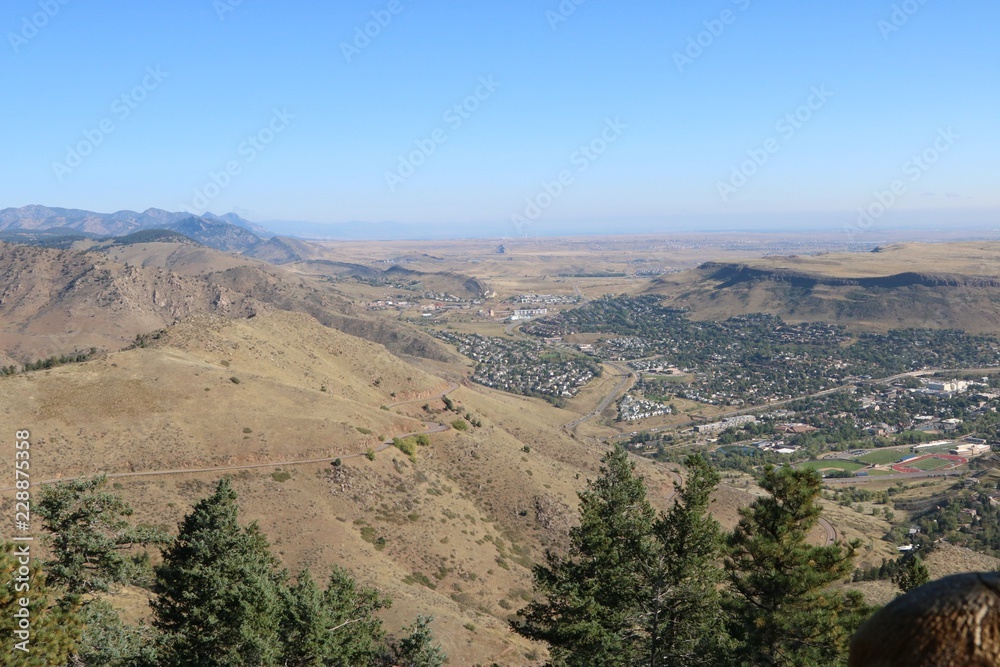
(627, 375)
(825, 392)
(831, 532)
(901, 477)
(431, 427)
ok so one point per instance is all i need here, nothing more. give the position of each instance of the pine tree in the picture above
(911, 573)
(418, 649)
(93, 544)
(53, 627)
(107, 641)
(779, 608)
(594, 604)
(332, 628)
(685, 617)
(219, 601)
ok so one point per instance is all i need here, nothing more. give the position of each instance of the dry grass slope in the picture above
(905, 285)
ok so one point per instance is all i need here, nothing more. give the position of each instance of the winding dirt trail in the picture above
(431, 427)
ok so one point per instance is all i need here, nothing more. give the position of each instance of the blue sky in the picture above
(591, 116)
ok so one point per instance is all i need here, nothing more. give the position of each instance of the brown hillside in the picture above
(56, 301)
(453, 534)
(955, 285)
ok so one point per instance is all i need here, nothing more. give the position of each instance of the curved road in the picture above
(831, 532)
(627, 374)
(432, 427)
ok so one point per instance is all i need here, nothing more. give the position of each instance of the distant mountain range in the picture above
(227, 232)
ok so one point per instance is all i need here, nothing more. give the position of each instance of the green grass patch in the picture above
(831, 464)
(281, 475)
(884, 456)
(931, 464)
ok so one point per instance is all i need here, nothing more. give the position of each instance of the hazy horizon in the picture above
(425, 114)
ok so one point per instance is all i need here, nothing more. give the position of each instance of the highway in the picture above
(627, 374)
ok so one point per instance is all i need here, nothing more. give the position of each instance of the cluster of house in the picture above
(527, 313)
(631, 408)
(656, 366)
(887, 399)
(386, 304)
(550, 299)
(726, 423)
(624, 348)
(521, 367)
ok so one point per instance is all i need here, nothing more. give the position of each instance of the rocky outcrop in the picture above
(951, 622)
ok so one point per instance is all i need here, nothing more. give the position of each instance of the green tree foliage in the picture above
(219, 590)
(685, 621)
(911, 573)
(223, 598)
(636, 589)
(54, 627)
(592, 602)
(93, 544)
(332, 628)
(53, 361)
(418, 649)
(780, 610)
(107, 641)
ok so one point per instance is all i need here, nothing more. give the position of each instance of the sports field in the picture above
(883, 456)
(929, 462)
(831, 464)
(932, 464)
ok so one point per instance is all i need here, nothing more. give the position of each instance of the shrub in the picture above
(460, 425)
(234, 380)
(405, 445)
